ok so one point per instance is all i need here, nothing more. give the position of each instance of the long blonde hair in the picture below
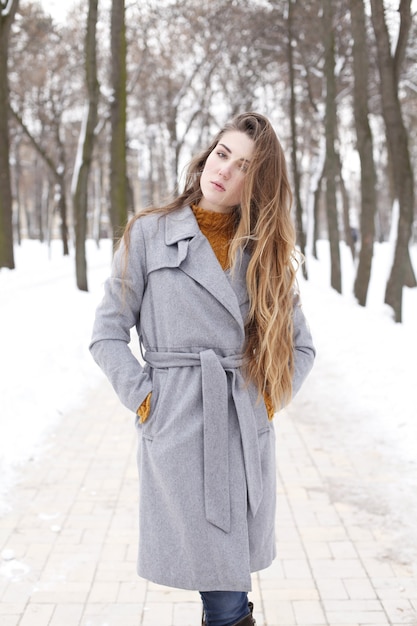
(265, 228)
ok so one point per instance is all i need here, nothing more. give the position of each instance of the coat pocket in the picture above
(151, 426)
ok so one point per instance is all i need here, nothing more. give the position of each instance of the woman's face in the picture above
(222, 178)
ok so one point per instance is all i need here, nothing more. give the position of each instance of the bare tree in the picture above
(365, 149)
(165, 98)
(389, 64)
(301, 235)
(57, 170)
(85, 148)
(118, 175)
(8, 10)
(331, 157)
(183, 85)
(46, 97)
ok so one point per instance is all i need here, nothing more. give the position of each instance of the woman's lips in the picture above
(217, 185)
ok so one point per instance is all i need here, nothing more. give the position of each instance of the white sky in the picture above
(58, 9)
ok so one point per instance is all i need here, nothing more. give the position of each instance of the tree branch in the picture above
(41, 151)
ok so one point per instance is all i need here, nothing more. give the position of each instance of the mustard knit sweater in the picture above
(218, 228)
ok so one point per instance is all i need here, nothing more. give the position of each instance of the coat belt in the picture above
(215, 412)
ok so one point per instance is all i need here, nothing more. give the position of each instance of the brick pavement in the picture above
(68, 542)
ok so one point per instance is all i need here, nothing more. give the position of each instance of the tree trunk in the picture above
(315, 193)
(62, 209)
(16, 190)
(345, 208)
(365, 150)
(7, 13)
(331, 158)
(62, 202)
(402, 273)
(85, 149)
(118, 176)
(301, 235)
(316, 214)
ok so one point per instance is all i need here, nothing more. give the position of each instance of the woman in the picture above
(209, 283)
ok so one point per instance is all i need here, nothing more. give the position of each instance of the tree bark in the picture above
(365, 150)
(331, 157)
(348, 236)
(62, 196)
(85, 149)
(316, 212)
(402, 273)
(118, 175)
(7, 13)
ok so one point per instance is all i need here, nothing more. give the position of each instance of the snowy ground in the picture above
(45, 327)
(370, 361)
(362, 388)
(361, 397)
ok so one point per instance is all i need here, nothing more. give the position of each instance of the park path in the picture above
(68, 542)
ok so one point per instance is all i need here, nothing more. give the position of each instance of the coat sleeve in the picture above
(118, 312)
(304, 351)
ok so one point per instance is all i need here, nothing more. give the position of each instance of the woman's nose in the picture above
(224, 171)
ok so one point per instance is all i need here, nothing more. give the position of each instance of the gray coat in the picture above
(206, 454)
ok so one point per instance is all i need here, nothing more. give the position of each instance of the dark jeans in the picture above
(224, 608)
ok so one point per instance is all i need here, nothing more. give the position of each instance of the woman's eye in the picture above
(221, 154)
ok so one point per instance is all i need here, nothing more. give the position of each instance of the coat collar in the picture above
(180, 225)
(197, 259)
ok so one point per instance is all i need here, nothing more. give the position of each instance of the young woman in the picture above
(209, 283)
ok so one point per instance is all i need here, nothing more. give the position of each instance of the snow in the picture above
(366, 364)
(370, 360)
(45, 327)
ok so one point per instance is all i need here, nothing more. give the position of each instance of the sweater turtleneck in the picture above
(218, 228)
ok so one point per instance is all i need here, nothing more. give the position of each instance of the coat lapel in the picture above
(197, 259)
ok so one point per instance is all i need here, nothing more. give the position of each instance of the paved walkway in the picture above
(68, 543)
